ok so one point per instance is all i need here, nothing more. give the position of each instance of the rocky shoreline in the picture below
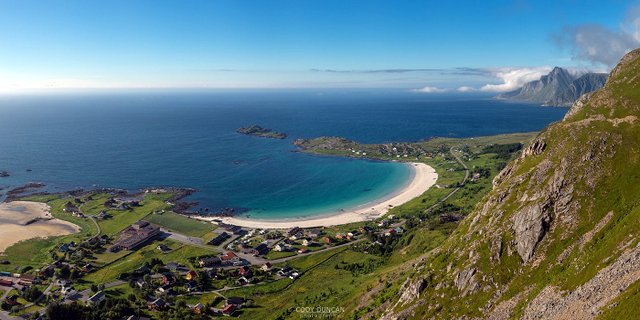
(178, 205)
(258, 131)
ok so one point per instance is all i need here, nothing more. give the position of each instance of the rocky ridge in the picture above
(555, 237)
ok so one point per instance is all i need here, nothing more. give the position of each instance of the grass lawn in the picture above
(321, 284)
(181, 224)
(124, 218)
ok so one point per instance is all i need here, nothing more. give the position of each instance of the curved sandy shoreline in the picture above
(424, 177)
(23, 220)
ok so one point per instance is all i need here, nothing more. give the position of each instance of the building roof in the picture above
(228, 255)
(96, 297)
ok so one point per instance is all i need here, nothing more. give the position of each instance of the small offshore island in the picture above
(258, 131)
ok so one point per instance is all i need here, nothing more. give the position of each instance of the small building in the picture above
(64, 247)
(6, 283)
(158, 304)
(229, 309)
(209, 262)
(219, 239)
(140, 283)
(327, 240)
(168, 278)
(296, 236)
(246, 272)
(260, 249)
(96, 298)
(293, 231)
(365, 229)
(230, 256)
(198, 308)
(284, 272)
(266, 267)
(389, 232)
(281, 247)
(28, 279)
(103, 215)
(233, 229)
(165, 289)
(306, 242)
(191, 286)
(163, 248)
(237, 301)
(12, 300)
(313, 233)
(191, 275)
(242, 281)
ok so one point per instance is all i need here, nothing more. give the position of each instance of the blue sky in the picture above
(442, 45)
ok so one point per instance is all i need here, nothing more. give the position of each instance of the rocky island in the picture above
(258, 131)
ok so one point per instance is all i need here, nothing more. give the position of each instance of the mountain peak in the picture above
(557, 88)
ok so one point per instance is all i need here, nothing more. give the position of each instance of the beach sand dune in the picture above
(424, 177)
(22, 220)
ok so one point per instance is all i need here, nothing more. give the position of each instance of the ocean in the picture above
(139, 139)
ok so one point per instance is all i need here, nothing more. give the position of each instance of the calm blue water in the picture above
(142, 139)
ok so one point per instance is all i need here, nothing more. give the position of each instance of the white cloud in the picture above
(514, 78)
(599, 44)
(466, 89)
(428, 89)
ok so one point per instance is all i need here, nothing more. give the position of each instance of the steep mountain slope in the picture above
(558, 88)
(558, 236)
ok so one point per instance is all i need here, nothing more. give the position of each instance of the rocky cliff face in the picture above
(558, 88)
(559, 235)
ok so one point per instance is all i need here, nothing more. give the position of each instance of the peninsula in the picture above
(258, 131)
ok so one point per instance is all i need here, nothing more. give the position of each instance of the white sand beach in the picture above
(22, 220)
(423, 178)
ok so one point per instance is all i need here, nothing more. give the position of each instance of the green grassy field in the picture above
(181, 224)
(321, 284)
(124, 218)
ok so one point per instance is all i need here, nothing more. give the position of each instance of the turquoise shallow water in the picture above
(143, 139)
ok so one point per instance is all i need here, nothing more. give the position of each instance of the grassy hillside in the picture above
(558, 235)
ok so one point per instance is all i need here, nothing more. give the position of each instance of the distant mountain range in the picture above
(558, 88)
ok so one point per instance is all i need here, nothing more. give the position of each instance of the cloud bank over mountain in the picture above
(599, 44)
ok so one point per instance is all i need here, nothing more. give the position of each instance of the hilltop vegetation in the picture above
(558, 236)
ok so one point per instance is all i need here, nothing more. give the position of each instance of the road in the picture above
(260, 260)
(93, 219)
(466, 177)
